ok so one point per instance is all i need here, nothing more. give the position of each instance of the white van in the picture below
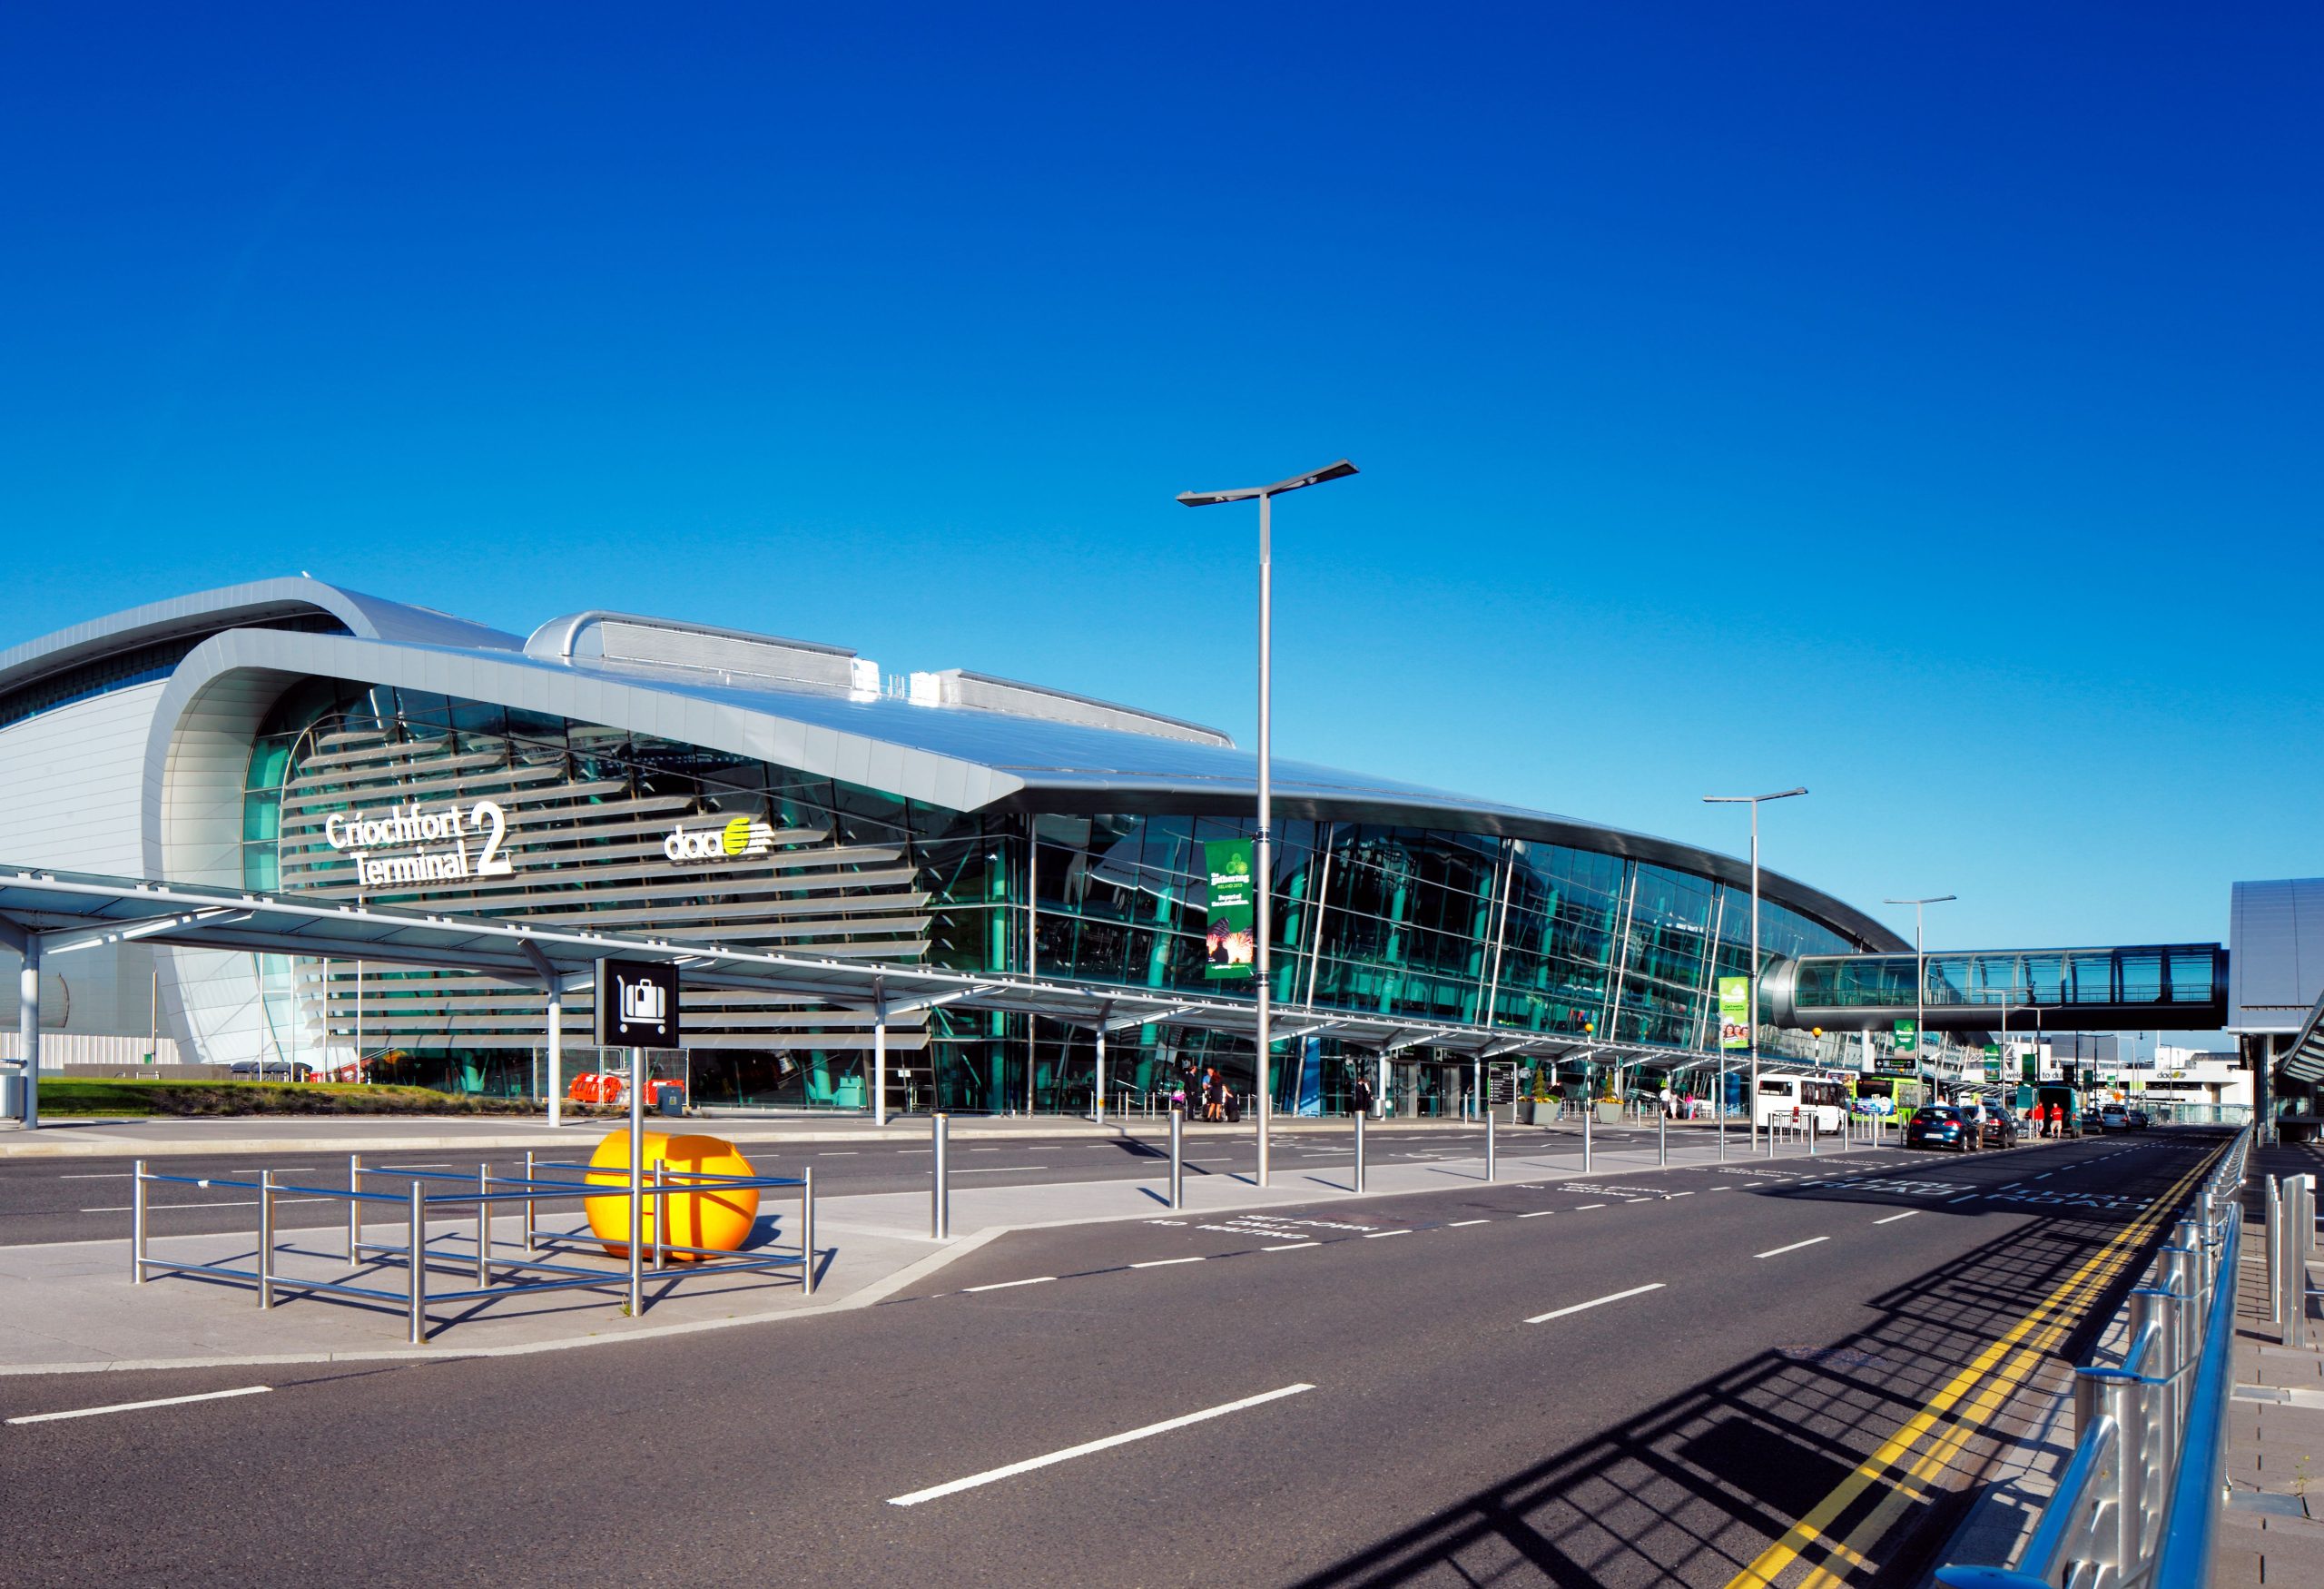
(1793, 1099)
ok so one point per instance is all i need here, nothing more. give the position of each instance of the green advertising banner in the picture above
(1909, 1037)
(1234, 945)
(2030, 1067)
(1734, 1012)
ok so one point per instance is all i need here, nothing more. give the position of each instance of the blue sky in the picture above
(1919, 403)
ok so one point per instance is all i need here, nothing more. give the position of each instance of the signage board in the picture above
(1909, 1037)
(417, 842)
(637, 1004)
(1233, 943)
(1734, 1012)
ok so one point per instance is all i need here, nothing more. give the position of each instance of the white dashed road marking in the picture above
(1597, 1302)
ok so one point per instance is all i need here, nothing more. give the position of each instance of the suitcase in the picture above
(1234, 1108)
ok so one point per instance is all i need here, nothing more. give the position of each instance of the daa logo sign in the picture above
(637, 1004)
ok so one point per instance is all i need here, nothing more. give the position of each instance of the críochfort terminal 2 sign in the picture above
(427, 841)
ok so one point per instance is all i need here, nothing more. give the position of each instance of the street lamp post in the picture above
(1752, 1102)
(1920, 986)
(1265, 889)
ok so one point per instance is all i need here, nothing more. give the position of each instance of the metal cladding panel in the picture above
(885, 767)
(2275, 953)
(72, 783)
(369, 617)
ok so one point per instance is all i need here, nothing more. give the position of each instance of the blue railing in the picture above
(2139, 1501)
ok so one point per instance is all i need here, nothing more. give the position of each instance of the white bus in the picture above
(1791, 1097)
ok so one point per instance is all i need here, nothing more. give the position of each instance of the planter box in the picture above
(1608, 1114)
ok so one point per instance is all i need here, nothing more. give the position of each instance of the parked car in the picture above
(1995, 1127)
(1939, 1125)
(2114, 1118)
(2093, 1122)
(271, 1071)
(2139, 1120)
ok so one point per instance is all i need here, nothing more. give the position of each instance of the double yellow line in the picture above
(2025, 1346)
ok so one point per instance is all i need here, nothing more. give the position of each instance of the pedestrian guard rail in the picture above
(2139, 1500)
(540, 1260)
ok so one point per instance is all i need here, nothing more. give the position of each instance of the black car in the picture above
(1995, 1127)
(1939, 1125)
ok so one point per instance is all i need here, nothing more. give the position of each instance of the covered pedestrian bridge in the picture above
(2175, 987)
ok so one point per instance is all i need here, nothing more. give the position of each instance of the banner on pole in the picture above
(1233, 943)
(1909, 1037)
(1734, 1012)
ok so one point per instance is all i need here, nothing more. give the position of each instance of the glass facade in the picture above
(1430, 925)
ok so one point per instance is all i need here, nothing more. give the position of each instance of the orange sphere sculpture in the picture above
(719, 1220)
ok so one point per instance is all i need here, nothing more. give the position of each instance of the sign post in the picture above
(637, 1008)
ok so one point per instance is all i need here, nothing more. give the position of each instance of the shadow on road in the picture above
(1693, 1489)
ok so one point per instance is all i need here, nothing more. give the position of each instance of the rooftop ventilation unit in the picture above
(956, 687)
(731, 655)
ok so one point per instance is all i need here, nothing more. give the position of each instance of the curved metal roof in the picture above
(258, 602)
(963, 758)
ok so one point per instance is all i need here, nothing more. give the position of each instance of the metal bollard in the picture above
(1589, 1113)
(415, 1287)
(1813, 1133)
(532, 1217)
(354, 1208)
(2299, 1217)
(483, 1224)
(1662, 1140)
(2108, 1395)
(2271, 1213)
(1355, 1182)
(266, 1238)
(137, 1223)
(1492, 1162)
(807, 1230)
(939, 1207)
(661, 1216)
(1178, 1156)
(2152, 1308)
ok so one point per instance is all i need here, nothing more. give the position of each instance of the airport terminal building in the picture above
(698, 784)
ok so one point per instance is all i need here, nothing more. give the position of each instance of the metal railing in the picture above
(493, 1269)
(2140, 1499)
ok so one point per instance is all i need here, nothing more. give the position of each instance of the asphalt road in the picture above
(87, 1199)
(1632, 1380)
